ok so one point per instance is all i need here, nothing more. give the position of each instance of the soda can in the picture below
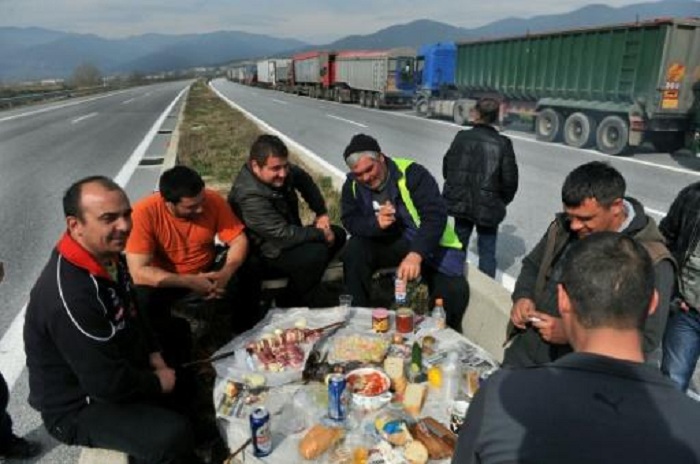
(260, 432)
(400, 291)
(337, 397)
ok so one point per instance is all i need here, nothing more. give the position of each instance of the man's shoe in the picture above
(20, 448)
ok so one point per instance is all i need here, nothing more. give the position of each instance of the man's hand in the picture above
(157, 362)
(683, 306)
(220, 280)
(386, 216)
(522, 309)
(329, 236)
(322, 222)
(167, 379)
(409, 268)
(202, 284)
(551, 328)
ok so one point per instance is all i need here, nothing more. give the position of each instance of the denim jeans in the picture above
(681, 347)
(486, 243)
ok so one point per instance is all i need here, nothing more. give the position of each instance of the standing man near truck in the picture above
(481, 178)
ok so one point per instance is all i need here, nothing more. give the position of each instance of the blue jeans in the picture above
(681, 347)
(486, 243)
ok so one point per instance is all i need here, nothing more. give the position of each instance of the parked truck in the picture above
(610, 87)
(273, 73)
(313, 74)
(435, 76)
(243, 73)
(380, 78)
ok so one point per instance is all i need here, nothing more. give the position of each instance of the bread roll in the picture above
(318, 440)
(416, 453)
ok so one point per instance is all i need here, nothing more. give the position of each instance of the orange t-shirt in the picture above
(177, 245)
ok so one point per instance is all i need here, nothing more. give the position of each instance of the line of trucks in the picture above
(611, 88)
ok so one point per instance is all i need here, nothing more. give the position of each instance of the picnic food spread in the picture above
(385, 403)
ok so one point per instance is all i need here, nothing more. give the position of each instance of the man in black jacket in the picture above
(481, 178)
(264, 196)
(681, 227)
(96, 374)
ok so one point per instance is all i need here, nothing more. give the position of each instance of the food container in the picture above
(458, 411)
(380, 320)
(369, 388)
(404, 320)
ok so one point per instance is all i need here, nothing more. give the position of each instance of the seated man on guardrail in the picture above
(264, 195)
(96, 373)
(172, 255)
(594, 200)
(393, 209)
(601, 404)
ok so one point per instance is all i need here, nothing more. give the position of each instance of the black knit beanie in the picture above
(360, 143)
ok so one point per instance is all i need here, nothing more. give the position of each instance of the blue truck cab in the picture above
(435, 67)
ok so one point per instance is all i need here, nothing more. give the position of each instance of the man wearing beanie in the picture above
(393, 209)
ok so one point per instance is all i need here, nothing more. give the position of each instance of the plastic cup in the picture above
(345, 301)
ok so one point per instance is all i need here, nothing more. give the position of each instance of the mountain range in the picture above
(36, 53)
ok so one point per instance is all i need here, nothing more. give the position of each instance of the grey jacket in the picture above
(271, 215)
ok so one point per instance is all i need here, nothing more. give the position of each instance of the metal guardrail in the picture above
(11, 102)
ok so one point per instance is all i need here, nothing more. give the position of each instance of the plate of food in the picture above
(369, 388)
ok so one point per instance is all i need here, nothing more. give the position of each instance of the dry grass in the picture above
(215, 139)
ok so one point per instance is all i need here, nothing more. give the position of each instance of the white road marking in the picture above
(57, 107)
(655, 212)
(281, 102)
(83, 118)
(12, 356)
(132, 163)
(349, 121)
(126, 102)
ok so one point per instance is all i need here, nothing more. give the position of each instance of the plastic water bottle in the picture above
(400, 291)
(438, 314)
(451, 371)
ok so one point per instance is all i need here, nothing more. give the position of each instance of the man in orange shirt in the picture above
(171, 251)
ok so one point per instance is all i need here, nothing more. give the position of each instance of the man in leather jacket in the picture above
(264, 196)
(481, 178)
(681, 227)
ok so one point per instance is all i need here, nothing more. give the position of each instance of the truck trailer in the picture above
(313, 74)
(375, 78)
(610, 87)
(273, 73)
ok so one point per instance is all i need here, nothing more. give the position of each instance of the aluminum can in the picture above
(400, 291)
(337, 397)
(260, 432)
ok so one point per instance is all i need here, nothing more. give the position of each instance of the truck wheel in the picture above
(376, 101)
(548, 125)
(612, 135)
(460, 115)
(579, 130)
(362, 99)
(422, 107)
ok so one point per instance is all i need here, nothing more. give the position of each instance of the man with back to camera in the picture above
(264, 195)
(593, 196)
(96, 373)
(601, 404)
(171, 252)
(393, 209)
(481, 178)
(681, 227)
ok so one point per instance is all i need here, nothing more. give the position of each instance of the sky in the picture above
(314, 21)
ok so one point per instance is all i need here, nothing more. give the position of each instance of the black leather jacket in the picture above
(481, 175)
(271, 215)
(681, 226)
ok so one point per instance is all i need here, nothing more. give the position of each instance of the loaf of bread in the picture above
(318, 440)
(416, 453)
